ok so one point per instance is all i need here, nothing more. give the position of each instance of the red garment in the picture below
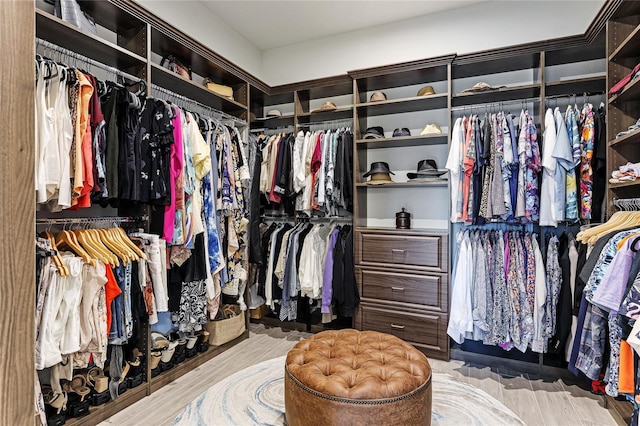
(316, 163)
(625, 80)
(111, 291)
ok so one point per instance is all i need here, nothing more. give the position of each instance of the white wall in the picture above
(478, 27)
(201, 23)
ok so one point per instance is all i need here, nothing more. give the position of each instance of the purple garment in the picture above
(327, 289)
(610, 295)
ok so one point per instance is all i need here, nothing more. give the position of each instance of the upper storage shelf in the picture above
(401, 88)
(624, 47)
(123, 52)
(175, 83)
(202, 65)
(398, 106)
(505, 75)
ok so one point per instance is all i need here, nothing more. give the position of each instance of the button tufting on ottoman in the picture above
(352, 377)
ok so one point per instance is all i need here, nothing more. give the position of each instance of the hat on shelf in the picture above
(481, 87)
(377, 97)
(273, 113)
(379, 179)
(375, 132)
(401, 132)
(427, 169)
(431, 129)
(327, 106)
(218, 89)
(377, 168)
(426, 90)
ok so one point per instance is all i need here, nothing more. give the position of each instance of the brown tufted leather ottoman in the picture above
(348, 377)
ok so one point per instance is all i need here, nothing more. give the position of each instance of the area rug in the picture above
(255, 396)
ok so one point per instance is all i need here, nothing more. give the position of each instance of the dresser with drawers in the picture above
(403, 280)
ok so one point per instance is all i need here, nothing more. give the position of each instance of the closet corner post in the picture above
(17, 275)
(542, 90)
(148, 56)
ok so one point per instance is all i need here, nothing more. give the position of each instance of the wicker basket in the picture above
(225, 330)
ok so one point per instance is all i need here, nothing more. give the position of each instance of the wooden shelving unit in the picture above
(130, 40)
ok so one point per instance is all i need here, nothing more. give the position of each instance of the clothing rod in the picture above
(73, 55)
(339, 121)
(491, 104)
(180, 98)
(576, 95)
(627, 204)
(84, 220)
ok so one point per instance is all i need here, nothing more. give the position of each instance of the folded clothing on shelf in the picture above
(625, 173)
(631, 129)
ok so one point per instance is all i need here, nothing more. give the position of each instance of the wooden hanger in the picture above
(95, 247)
(614, 222)
(62, 268)
(68, 238)
(112, 258)
(108, 241)
(130, 243)
(122, 238)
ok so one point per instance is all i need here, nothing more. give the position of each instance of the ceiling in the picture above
(271, 24)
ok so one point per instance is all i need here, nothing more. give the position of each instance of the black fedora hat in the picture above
(378, 167)
(426, 168)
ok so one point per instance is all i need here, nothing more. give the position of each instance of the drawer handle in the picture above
(397, 251)
(397, 288)
(396, 326)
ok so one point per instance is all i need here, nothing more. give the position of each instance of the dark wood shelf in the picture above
(631, 92)
(284, 117)
(398, 106)
(629, 48)
(625, 184)
(498, 95)
(337, 114)
(58, 32)
(402, 141)
(569, 55)
(425, 71)
(183, 368)
(630, 138)
(110, 16)
(409, 184)
(493, 62)
(577, 86)
(173, 82)
(102, 412)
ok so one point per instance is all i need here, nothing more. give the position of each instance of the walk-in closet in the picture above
(214, 190)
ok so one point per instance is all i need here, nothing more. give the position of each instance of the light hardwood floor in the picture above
(537, 402)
